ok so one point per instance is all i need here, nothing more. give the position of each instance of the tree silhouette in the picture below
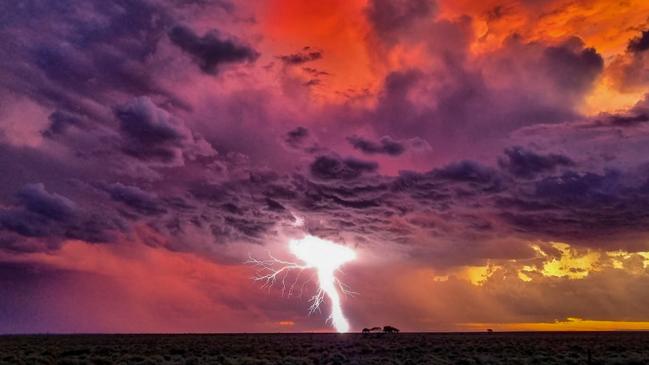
(390, 329)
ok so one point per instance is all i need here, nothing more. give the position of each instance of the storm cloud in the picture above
(211, 50)
(385, 145)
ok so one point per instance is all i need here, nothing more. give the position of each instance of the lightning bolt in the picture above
(325, 258)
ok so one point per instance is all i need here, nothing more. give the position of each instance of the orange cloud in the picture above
(337, 27)
(602, 24)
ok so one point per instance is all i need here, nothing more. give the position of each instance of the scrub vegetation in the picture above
(351, 348)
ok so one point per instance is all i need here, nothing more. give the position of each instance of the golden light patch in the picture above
(286, 323)
(569, 324)
(646, 257)
(538, 250)
(571, 263)
(477, 275)
(620, 257)
(440, 278)
(523, 274)
(554, 260)
(605, 98)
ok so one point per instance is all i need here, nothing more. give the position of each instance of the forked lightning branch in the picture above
(322, 256)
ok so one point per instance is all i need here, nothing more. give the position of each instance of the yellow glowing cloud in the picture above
(605, 98)
(553, 260)
(571, 263)
(477, 275)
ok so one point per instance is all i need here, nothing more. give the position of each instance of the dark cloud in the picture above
(629, 72)
(52, 206)
(143, 202)
(226, 5)
(238, 211)
(211, 50)
(385, 145)
(153, 133)
(467, 171)
(53, 217)
(575, 206)
(313, 82)
(527, 164)
(306, 55)
(639, 43)
(496, 13)
(274, 205)
(572, 67)
(635, 116)
(338, 196)
(581, 207)
(624, 120)
(296, 138)
(60, 56)
(332, 167)
(315, 72)
(453, 203)
(395, 108)
(61, 121)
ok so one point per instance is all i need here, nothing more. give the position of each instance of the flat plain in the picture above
(317, 349)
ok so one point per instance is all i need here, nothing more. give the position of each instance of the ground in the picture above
(404, 348)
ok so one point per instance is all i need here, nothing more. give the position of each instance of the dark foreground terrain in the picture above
(405, 348)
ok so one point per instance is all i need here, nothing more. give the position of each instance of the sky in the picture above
(485, 160)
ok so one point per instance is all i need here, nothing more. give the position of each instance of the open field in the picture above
(405, 348)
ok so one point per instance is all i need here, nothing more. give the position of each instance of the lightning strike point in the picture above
(325, 257)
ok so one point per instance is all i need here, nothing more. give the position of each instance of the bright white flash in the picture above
(326, 258)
